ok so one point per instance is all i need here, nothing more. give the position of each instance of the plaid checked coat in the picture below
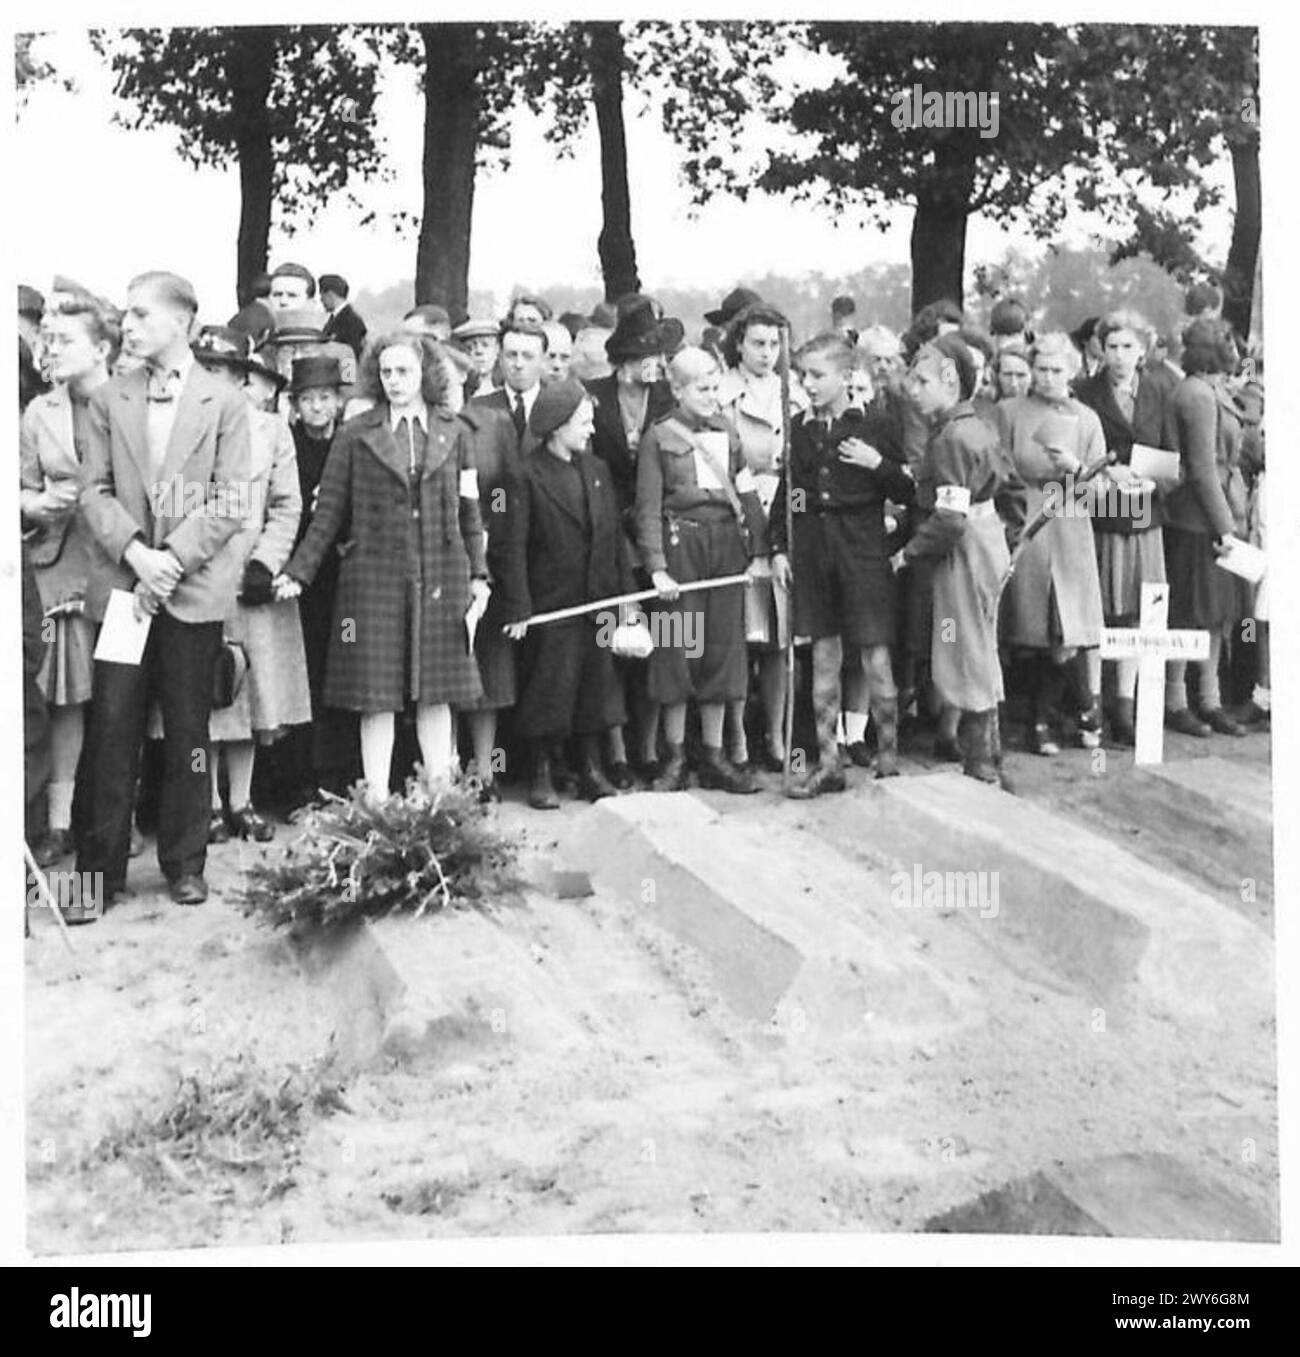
(403, 590)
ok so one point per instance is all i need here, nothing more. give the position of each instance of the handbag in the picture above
(229, 674)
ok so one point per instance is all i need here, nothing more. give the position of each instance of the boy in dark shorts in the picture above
(837, 563)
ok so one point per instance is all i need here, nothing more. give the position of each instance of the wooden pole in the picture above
(560, 614)
(54, 907)
(789, 546)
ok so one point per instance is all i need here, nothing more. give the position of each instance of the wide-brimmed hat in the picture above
(224, 345)
(637, 335)
(315, 370)
(732, 305)
(476, 329)
(296, 326)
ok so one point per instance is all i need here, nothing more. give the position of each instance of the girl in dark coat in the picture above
(400, 480)
(563, 544)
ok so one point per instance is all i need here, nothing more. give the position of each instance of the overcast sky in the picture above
(112, 202)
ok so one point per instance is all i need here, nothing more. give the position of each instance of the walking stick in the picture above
(613, 601)
(786, 476)
(54, 907)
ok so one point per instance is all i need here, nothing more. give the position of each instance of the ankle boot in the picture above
(541, 792)
(718, 773)
(673, 776)
(884, 714)
(592, 784)
(977, 736)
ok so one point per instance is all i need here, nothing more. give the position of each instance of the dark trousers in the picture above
(177, 669)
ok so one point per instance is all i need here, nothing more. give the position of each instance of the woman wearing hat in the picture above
(326, 754)
(698, 517)
(749, 396)
(81, 339)
(627, 403)
(562, 545)
(274, 694)
(400, 488)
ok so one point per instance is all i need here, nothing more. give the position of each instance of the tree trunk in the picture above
(939, 225)
(250, 66)
(451, 104)
(1243, 254)
(617, 250)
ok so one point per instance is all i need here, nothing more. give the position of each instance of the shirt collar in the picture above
(180, 370)
(419, 413)
(529, 397)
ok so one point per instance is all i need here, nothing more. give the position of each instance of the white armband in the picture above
(469, 484)
(955, 498)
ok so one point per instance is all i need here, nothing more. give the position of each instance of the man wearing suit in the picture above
(498, 427)
(343, 323)
(165, 484)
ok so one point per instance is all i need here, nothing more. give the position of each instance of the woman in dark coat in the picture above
(562, 544)
(1200, 520)
(400, 479)
(698, 516)
(1132, 408)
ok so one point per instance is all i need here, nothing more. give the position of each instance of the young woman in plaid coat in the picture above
(399, 488)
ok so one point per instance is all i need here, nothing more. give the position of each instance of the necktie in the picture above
(518, 417)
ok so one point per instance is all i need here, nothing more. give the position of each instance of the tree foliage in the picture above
(320, 103)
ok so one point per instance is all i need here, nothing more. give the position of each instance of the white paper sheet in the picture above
(1245, 560)
(1155, 464)
(716, 442)
(122, 637)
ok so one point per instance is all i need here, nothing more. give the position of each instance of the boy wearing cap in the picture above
(842, 585)
(480, 339)
(562, 545)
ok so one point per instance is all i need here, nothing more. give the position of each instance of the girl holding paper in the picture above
(399, 488)
(1052, 607)
(81, 339)
(698, 516)
(1133, 409)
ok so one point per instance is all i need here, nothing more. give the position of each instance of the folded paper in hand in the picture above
(472, 618)
(122, 637)
(1245, 560)
(1155, 464)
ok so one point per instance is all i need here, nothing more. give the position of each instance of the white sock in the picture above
(855, 726)
(433, 727)
(377, 750)
(60, 804)
(1261, 697)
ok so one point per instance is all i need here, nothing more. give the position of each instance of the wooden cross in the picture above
(1152, 644)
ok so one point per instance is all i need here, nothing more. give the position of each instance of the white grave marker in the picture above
(1152, 644)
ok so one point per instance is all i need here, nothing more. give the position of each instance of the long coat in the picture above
(403, 592)
(275, 693)
(1054, 597)
(1209, 443)
(609, 438)
(67, 559)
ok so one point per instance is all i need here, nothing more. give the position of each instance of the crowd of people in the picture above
(345, 546)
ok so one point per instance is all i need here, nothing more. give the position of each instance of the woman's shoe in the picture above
(1221, 723)
(218, 829)
(826, 777)
(1088, 728)
(1185, 723)
(541, 791)
(947, 751)
(673, 775)
(770, 761)
(54, 847)
(593, 785)
(248, 824)
(620, 776)
(717, 773)
(1041, 742)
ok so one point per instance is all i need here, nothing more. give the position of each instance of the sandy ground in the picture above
(594, 1082)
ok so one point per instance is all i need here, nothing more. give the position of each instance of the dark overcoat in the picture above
(546, 560)
(609, 438)
(403, 589)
